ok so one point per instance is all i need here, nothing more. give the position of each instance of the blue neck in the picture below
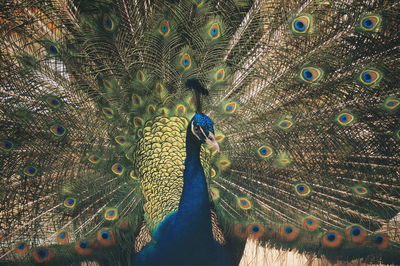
(194, 207)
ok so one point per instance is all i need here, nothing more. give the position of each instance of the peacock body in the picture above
(103, 139)
(185, 236)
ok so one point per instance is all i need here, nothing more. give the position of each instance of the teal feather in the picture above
(96, 101)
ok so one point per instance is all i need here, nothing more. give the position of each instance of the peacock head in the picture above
(202, 128)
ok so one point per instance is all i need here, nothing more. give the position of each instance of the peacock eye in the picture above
(196, 128)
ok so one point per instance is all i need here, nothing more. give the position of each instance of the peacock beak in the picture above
(210, 140)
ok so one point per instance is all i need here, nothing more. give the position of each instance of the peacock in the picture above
(170, 132)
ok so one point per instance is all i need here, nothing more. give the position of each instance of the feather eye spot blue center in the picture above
(243, 202)
(43, 253)
(299, 25)
(119, 168)
(288, 229)
(21, 246)
(62, 235)
(111, 213)
(367, 77)
(255, 228)
(164, 29)
(343, 118)
(301, 188)
(7, 145)
(368, 23)
(331, 237)
(83, 244)
(70, 201)
(356, 231)
(105, 235)
(31, 170)
(309, 221)
(55, 102)
(214, 32)
(60, 130)
(263, 151)
(53, 49)
(378, 239)
(185, 62)
(307, 74)
(108, 23)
